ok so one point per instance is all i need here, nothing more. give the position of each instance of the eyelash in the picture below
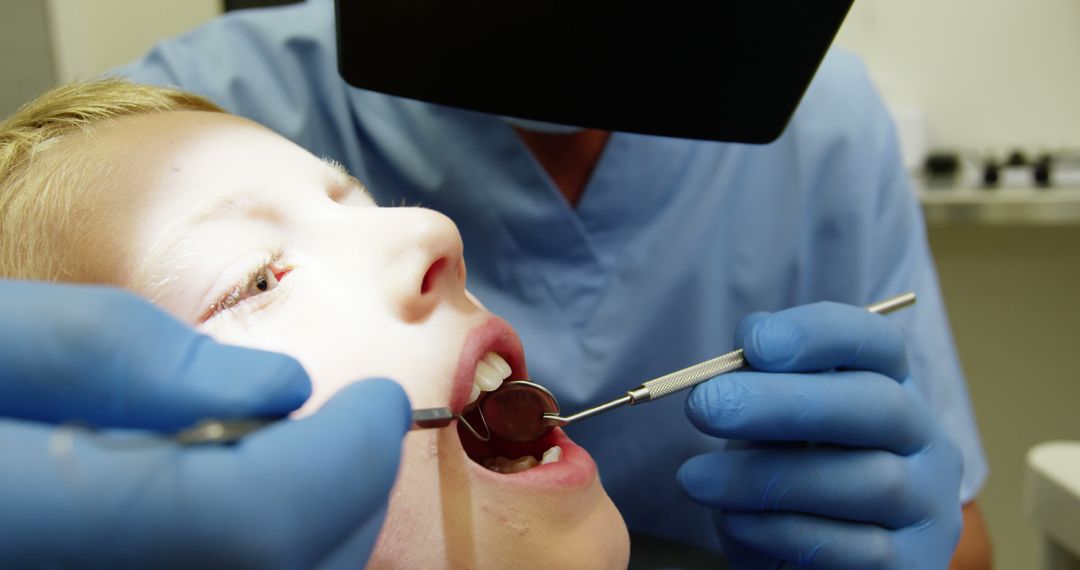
(249, 286)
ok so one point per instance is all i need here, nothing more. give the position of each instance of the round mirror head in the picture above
(516, 411)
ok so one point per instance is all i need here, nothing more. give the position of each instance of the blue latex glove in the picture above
(883, 488)
(295, 494)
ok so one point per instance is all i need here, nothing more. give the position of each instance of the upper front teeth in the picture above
(491, 370)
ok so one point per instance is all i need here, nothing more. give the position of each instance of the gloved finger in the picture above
(812, 542)
(111, 359)
(73, 496)
(855, 408)
(746, 324)
(850, 484)
(744, 558)
(311, 483)
(824, 336)
(357, 548)
(290, 495)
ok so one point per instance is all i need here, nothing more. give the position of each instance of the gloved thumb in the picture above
(823, 336)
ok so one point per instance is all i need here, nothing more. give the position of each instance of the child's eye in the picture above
(263, 279)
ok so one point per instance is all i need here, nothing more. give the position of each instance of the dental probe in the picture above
(216, 431)
(693, 375)
(523, 411)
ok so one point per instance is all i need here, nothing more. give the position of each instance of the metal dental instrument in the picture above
(216, 431)
(523, 411)
(425, 418)
(520, 410)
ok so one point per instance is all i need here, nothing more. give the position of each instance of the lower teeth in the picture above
(504, 465)
(507, 466)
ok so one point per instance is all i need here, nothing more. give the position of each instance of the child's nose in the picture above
(427, 267)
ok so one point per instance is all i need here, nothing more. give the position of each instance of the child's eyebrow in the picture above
(154, 274)
(245, 200)
(342, 176)
(233, 205)
(249, 199)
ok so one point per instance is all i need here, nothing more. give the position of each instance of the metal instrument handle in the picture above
(426, 418)
(687, 377)
(693, 375)
(226, 431)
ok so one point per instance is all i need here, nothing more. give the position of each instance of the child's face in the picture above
(258, 243)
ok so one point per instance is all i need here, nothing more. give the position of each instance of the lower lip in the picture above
(574, 470)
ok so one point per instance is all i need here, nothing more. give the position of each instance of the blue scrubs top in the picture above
(671, 244)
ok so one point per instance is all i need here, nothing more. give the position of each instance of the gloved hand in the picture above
(294, 494)
(882, 488)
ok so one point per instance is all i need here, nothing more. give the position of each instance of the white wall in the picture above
(25, 55)
(989, 74)
(91, 36)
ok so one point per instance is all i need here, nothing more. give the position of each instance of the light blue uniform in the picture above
(672, 243)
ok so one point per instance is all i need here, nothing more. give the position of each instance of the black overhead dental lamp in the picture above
(728, 70)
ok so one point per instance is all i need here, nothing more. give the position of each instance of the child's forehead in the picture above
(179, 142)
(173, 125)
(170, 164)
(173, 161)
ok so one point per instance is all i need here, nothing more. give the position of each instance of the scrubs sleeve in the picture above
(277, 67)
(934, 363)
(900, 260)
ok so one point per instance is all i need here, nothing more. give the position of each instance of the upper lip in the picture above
(493, 335)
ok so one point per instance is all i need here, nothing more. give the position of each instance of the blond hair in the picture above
(39, 199)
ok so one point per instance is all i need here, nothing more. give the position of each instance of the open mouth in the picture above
(491, 355)
(505, 456)
(498, 454)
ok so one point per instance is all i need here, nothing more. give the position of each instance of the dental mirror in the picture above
(516, 411)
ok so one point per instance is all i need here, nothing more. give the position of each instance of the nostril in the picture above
(432, 275)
